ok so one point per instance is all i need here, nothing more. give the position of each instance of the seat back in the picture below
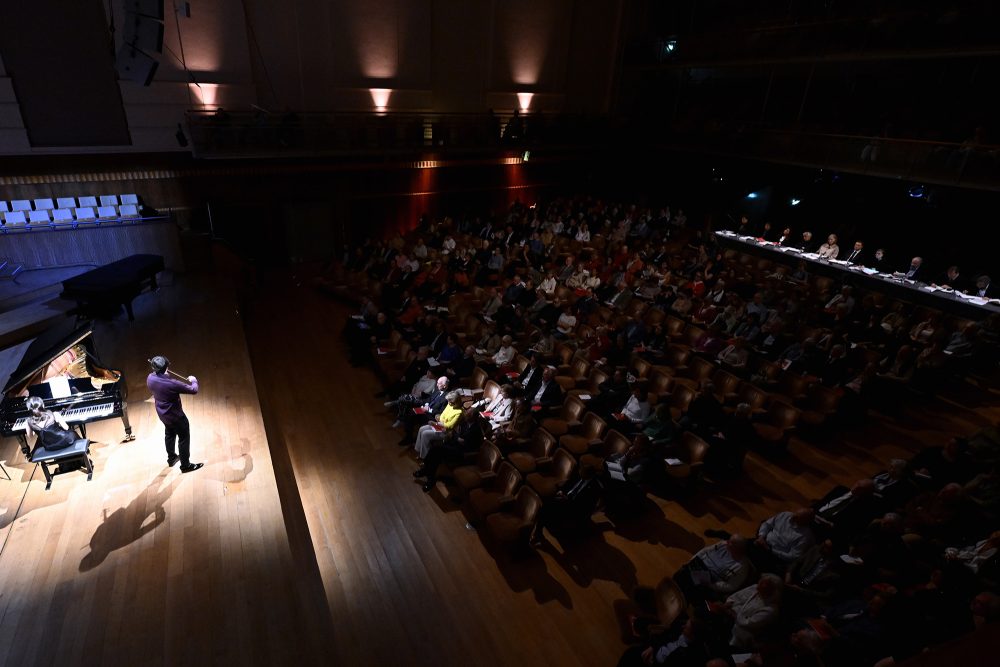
(670, 602)
(520, 363)
(660, 383)
(674, 326)
(676, 357)
(593, 426)
(597, 376)
(45, 204)
(14, 219)
(563, 465)
(109, 200)
(641, 367)
(681, 397)
(478, 379)
(792, 385)
(527, 505)
(691, 335)
(782, 415)
(573, 409)
(88, 202)
(636, 308)
(768, 370)
(725, 383)
(39, 217)
(564, 354)
(66, 202)
(490, 390)
(694, 447)
(823, 399)
(128, 211)
(62, 216)
(700, 369)
(506, 480)
(130, 200)
(489, 458)
(654, 316)
(752, 395)
(20, 205)
(615, 443)
(565, 382)
(107, 212)
(543, 443)
(579, 369)
(85, 213)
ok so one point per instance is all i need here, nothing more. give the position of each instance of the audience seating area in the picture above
(635, 357)
(68, 212)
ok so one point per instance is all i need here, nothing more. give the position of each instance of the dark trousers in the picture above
(179, 432)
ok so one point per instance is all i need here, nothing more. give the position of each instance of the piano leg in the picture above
(25, 449)
(89, 465)
(48, 475)
(128, 428)
(83, 430)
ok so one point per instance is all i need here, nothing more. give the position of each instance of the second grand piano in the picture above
(62, 368)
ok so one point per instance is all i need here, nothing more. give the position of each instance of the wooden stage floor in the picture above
(144, 565)
(305, 539)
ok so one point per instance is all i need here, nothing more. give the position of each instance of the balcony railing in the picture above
(966, 164)
(219, 134)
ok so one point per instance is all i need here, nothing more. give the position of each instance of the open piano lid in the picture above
(41, 351)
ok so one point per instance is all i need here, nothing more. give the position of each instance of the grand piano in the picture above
(113, 285)
(61, 367)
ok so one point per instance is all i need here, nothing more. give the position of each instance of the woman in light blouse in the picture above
(830, 249)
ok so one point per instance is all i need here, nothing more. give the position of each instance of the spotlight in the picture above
(917, 191)
(794, 202)
(526, 156)
(753, 195)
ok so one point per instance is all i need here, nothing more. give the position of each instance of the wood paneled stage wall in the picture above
(96, 245)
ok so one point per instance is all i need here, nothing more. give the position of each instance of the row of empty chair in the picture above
(70, 211)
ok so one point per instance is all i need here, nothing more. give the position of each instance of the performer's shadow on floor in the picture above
(128, 524)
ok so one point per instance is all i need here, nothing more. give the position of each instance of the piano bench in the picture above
(70, 459)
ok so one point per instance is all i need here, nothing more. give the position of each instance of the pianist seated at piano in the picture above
(50, 429)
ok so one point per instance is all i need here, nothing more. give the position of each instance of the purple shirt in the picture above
(167, 395)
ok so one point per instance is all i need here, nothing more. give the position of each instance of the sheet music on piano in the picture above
(59, 386)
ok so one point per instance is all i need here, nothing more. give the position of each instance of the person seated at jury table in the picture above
(830, 249)
(856, 254)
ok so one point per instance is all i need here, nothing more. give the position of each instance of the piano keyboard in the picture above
(76, 415)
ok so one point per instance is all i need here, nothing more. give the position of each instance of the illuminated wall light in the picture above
(206, 93)
(795, 202)
(512, 160)
(380, 98)
(524, 100)
(428, 164)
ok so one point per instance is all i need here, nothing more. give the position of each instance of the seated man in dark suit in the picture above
(547, 393)
(913, 272)
(843, 512)
(463, 368)
(673, 649)
(953, 279)
(416, 417)
(531, 376)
